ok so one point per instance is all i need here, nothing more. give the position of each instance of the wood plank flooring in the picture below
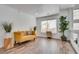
(41, 46)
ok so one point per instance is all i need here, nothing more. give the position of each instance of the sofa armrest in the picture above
(17, 35)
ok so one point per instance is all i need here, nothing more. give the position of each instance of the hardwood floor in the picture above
(41, 46)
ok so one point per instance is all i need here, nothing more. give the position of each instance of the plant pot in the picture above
(7, 35)
(63, 38)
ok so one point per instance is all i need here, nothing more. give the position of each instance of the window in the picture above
(75, 36)
(76, 14)
(75, 26)
(43, 26)
(76, 18)
(49, 25)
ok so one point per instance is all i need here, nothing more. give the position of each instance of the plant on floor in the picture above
(63, 27)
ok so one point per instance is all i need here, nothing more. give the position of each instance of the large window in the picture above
(75, 26)
(76, 14)
(49, 25)
(76, 18)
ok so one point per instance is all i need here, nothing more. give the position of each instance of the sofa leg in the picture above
(19, 43)
(34, 38)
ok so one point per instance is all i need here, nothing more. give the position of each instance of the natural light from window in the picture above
(76, 14)
(76, 17)
(49, 25)
(76, 26)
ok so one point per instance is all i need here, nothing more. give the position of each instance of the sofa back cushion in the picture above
(23, 33)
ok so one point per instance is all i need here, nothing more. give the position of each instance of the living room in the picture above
(24, 17)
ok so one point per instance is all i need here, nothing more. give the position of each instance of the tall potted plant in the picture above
(63, 27)
(7, 27)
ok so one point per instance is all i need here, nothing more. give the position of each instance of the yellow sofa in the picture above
(22, 36)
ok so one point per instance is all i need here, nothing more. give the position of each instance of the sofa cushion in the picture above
(26, 32)
(22, 36)
(29, 37)
(33, 33)
(23, 33)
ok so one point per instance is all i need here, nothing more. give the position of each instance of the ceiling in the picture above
(40, 9)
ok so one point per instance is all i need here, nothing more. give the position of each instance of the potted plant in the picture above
(7, 27)
(34, 28)
(63, 27)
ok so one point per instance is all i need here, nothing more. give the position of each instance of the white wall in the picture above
(20, 20)
(23, 22)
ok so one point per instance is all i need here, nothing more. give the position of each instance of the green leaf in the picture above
(63, 25)
(7, 27)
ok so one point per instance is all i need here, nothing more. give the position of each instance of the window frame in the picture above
(75, 20)
(73, 14)
(48, 27)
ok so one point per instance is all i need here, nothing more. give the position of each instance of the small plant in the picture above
(63, 27)
(7, 27)
(34, 28)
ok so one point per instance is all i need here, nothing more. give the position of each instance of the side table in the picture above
(8, 43)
